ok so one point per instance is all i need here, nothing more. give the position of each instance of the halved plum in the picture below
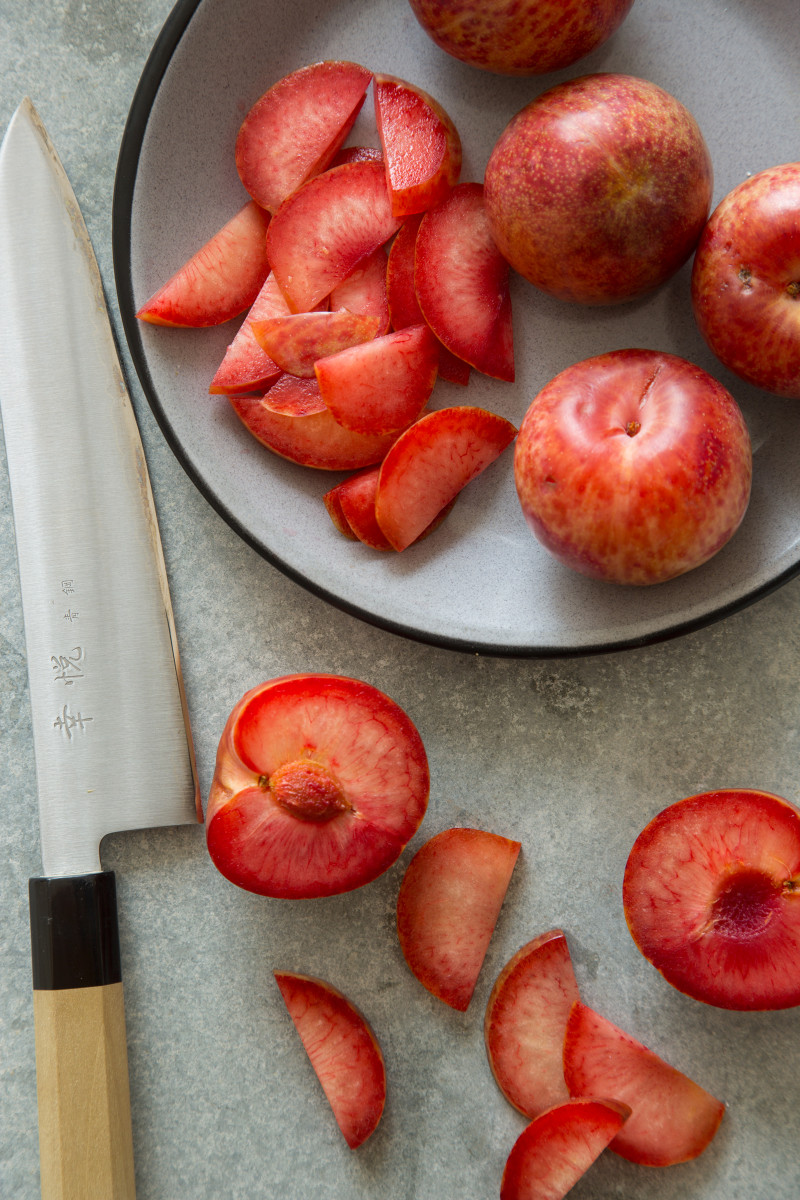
(447, 908)
(421, 146)
(672, 1118)
(431, 462)
(320, 782)
(380, 386)
(712, 898)
(462, 283)
(556, 1149)
(525, 1023)
(343, 1050)
(364, 291)
(220, 281)
(326, 228)
(404, 309)
(295, 341)
(294, 130)
(293, 421)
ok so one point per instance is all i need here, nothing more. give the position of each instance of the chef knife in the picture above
(111, 737)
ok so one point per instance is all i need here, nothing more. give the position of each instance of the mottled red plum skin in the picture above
(520, 37)
(746, 280)
(633, 467)
(598, 190)
(712, 898)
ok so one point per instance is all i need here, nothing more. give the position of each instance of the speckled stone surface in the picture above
(570, 756)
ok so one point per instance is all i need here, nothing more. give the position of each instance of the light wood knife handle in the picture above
(85, 1140)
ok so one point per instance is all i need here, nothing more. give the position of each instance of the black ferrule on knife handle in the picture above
(74, 931)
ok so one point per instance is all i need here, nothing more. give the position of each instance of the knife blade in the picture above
(112, 739)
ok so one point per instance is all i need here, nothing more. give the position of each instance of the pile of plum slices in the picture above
(341, 345)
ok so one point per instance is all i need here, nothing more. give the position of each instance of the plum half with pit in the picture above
(712, 898)
(319, 784)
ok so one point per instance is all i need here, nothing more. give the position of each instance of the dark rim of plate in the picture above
(121, 212)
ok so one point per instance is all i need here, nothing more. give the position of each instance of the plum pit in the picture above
(308, 791)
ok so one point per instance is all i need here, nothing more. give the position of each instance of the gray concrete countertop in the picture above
(572, 756)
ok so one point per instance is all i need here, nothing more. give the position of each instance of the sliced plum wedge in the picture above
(672, 1118)
(295, 341)
(421, 146)
(380, 386)
(326, 228)
(404, 309)
(292, 421)
(555, 1150)
(293, 131)
(447, 908)
(525, 1022)
(462, 284)
(221, 280)
(431, 462)
(343, 1051)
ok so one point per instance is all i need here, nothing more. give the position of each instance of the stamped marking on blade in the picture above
(68, 588)
(68, 667)
(68, 723)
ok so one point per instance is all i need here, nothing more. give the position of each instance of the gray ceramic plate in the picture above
(481, 582)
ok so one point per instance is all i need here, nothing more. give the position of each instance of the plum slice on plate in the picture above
(245, 366)
(220, 281)
(672, 1118)
(326, 228)
(556, 1149)
(364, 290)
(293, 422)
(380, 386)
(447, 908)
(343, 1051)
(351, 507)
(525, 1022)
(404, 309)
(320, 782)
(431, 462)
(712, 898)
(294, 130)
(295, 341)
(461, 280)
(421, 146)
